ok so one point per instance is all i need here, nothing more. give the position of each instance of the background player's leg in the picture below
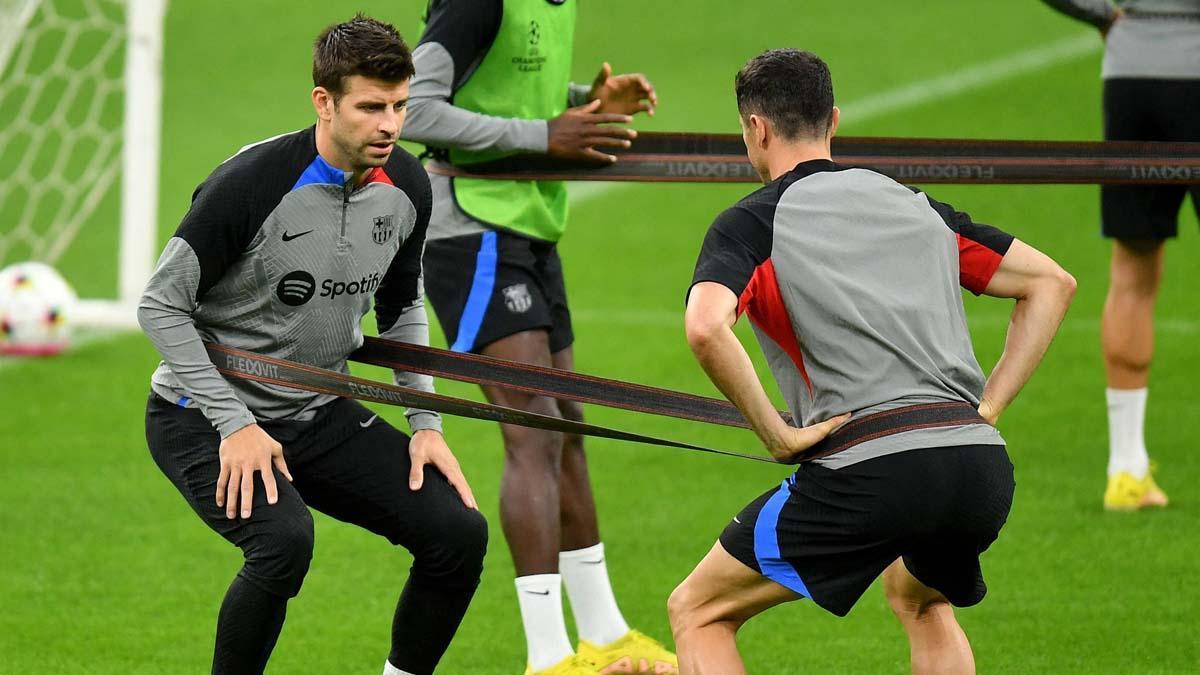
(529, 504)
(277, 541)
(582, 563)
(937, 643)
(709, 607)
(1127, 337)
(360, 476)
(1127, 332)
(577, 507)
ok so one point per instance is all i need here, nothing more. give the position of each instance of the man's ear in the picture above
(834, 117)
(761, 131)
(323, 103)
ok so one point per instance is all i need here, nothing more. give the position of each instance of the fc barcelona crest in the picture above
(385, 227)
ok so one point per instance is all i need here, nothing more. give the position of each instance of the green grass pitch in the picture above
(104, 569)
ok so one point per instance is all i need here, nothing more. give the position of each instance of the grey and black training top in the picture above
(457, 37)
(280, 254)
(851, 281)
(1156, 39)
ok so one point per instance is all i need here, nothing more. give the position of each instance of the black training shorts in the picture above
(827, 534)
(488, 286)
(1148, 110)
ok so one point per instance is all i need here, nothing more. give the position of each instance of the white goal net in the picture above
(80, 90)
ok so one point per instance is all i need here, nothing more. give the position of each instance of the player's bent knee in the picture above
(280, 562)
(686, 607)
(454, 557)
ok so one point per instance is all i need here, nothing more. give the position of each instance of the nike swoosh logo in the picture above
(368, 422)
(736, 520)
(539, 592)
(592, 562)
(289, 237)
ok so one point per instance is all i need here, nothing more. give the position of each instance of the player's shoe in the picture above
(575, 664)
(634, 653)
(1126, 493)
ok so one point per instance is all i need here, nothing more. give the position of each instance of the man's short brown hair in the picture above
(790, 87)
(360, 46)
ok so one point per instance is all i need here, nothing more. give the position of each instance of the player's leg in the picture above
(709, 607)
(354, 467)
(604, 635)
(1127, 338)
(1139, 219)
(276, 541)
(937, 643)
(530, 497)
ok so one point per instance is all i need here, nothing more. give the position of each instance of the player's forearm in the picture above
(727, 364)
(174, 335)
(412, 326)
(434, 121)
(1099, 13)
(1035, 320)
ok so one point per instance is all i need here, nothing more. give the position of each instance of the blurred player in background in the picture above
(493, 79)
(1151, 78)
(852, 283)
(281, 253)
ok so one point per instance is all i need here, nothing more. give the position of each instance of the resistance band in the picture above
(721, 158)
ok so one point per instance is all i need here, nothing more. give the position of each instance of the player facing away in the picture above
(1151, 74)
(281, 253)
(851, 281)
(493, 79)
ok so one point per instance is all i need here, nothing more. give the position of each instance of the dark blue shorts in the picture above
(827, 534)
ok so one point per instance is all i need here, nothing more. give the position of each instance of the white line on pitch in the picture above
(970, 78)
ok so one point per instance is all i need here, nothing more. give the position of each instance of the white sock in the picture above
(1126, 439)
(389, 669)
(596, 613)
(540, 598)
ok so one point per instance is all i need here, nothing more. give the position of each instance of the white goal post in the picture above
(80, 86)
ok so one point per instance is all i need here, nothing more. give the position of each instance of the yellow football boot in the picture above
(634, 653)
(1126, 493)
(574, 664)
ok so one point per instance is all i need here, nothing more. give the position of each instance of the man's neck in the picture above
(329, 152)
(787, 156)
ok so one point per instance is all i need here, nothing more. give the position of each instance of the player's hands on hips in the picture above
(577, 132)
(988, 411)
(787, 442)
(429, 447)
(244, 452)
(626, 94)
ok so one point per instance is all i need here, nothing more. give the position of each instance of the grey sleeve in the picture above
(412, 326)
(1099, 13)
(578, 94)
(433, 120)
(165, 314)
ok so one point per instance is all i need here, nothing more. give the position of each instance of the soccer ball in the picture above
(35, 310)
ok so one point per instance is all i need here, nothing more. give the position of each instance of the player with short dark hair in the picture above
(851, 281)
(284, 248)
(1151, 74)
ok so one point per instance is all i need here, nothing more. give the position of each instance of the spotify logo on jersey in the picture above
(296, 288)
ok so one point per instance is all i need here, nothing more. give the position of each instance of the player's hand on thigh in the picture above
(429, 447)
(791, 441)
(242, 453)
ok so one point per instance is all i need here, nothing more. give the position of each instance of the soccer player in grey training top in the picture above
(281, 253)
(852, 283)
(1151, 75)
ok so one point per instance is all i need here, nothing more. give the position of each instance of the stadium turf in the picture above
(104, 569)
